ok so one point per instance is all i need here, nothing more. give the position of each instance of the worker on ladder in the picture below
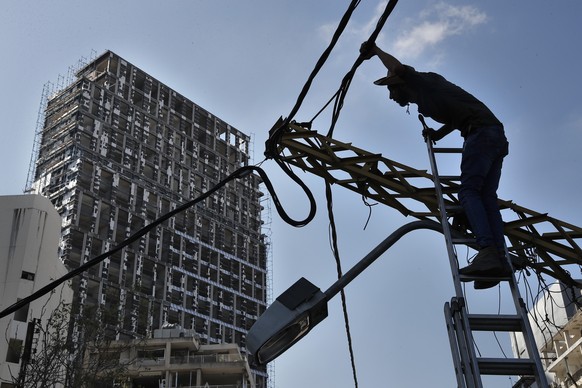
(484, 148)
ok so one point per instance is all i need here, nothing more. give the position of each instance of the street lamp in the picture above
(290, 317)
(302, 306)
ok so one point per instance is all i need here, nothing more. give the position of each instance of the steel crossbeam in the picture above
(394, 184)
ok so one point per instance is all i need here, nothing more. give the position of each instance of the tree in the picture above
(79, 352)
(49, 355)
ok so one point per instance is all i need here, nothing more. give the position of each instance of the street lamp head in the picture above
(288, 319)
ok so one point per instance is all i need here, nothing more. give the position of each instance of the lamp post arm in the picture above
(299, 309)
(377, 252)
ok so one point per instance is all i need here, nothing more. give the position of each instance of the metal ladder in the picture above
(460, 324)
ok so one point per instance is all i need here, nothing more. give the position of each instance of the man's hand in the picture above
(430, 134)
(368, 50)
(427, 132)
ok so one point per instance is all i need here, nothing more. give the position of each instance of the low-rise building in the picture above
(563, 354)
(556, 322)
(174, 357)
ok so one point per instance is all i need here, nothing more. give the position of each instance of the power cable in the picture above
(347, 80)
(276, 132)
(335, 250)
(238, 174)
(281, 125)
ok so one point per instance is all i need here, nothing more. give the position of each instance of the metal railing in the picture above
(187, 359)
(206, 359)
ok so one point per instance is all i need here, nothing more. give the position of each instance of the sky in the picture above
(247, 61)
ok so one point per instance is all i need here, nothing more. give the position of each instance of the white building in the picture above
(29, 237)
(556, 322)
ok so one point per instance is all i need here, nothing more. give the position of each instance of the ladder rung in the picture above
(454, 208)
(469, 278)
(424, 214)
(495, 322)
(450, 177)
(506, 366)
(463, 240)
(447, 150)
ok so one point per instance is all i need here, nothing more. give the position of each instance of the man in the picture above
(484, 148)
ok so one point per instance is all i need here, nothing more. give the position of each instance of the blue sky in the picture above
(247, 61)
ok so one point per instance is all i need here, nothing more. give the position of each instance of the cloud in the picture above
(436, 24)
(419, 33)
(361, 31)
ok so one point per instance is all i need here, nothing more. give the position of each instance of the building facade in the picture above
(118, 150)
(29, 238)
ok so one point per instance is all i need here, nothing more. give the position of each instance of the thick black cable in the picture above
(277, 131)
(239, 173)
(311, 198)
(282, 124)
(347, 80)
(324, 56)
(324, 107)
(335, 249)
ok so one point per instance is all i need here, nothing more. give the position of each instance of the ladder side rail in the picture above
(462, 325)
(444, 222)
(453, 343)
(529, 338)
(466, 344)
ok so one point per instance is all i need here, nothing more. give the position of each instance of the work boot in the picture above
(487, 263)
(484, 284)
(505, 272)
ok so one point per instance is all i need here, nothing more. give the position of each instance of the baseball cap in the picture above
(394, 79)
(390, 79)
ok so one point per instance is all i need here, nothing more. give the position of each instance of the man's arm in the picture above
(438, 134)
(368, 50)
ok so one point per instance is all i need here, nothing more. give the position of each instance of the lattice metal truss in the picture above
(536, 240)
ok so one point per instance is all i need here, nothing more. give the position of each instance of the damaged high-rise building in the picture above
(117, 150)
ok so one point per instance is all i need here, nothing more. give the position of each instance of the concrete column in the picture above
(198, 377)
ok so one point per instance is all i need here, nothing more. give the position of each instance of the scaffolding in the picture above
(49, 90)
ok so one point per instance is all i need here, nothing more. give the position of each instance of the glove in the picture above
(367, 50)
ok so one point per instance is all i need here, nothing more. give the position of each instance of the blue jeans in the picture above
(482, 159)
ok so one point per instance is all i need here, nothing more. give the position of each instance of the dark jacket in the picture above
(447, 103)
